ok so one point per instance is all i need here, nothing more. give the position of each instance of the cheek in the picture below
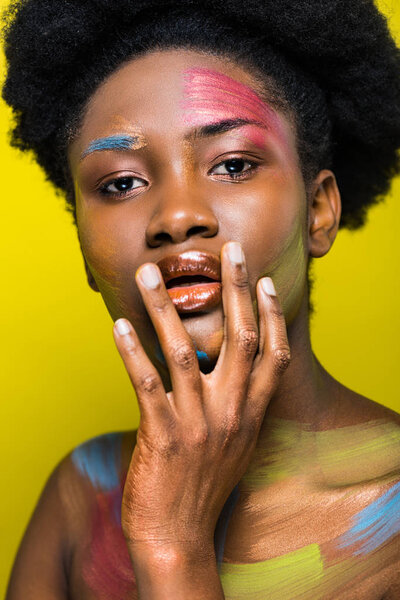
(289, 272)
(103, 244)
(110, 258)
(101, 253)
(279, 238)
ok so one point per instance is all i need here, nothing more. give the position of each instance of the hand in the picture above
(195, 442)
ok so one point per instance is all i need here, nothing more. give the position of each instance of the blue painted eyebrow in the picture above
(112, 142)
(127, 142)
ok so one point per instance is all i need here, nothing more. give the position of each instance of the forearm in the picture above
(172, 573)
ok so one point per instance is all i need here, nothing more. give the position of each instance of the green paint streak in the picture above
(287, 449)
(294, 575)
(358, 453)
(344, 456)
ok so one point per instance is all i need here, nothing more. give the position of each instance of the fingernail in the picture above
(122, 326)
(268, 286)
(149, 276)
(235, 253)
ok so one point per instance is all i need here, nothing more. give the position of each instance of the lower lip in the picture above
(193, 298)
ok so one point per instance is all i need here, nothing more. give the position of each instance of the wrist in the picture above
(178, 571)
(169, 554)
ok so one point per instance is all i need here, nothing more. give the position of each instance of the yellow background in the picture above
(62, 379)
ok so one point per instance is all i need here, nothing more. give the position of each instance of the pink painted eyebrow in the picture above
(210, 129)
(211, 95)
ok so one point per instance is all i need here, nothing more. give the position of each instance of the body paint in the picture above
(211, 96)
(357, 453)
(122, 136)
(289, 576)
(343, 456)
(107, 569)
(310, 572)
(112, 142)
(202, 356)
(99, 459)
(374, 525)
(303, 574)
(284, 455)
(348, 522)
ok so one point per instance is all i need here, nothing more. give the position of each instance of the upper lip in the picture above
(191, 262)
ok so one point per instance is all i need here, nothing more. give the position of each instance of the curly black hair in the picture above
(332, 63)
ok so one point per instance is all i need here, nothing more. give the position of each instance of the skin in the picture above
(258, 415)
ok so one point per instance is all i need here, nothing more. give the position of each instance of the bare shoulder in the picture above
(61, 514)
(353, 408)
(102, 461)
(361, 442)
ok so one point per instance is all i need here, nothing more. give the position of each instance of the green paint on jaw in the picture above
(293, 575)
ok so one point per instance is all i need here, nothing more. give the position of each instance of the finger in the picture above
(144, 376)
(176, 344)
(241, 340)
(274, 355)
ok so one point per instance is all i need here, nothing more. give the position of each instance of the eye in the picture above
(233, 167)
(120, 186)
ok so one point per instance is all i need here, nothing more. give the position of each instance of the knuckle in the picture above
(251, 428)
(129, 349)
(168, 445)
(199, 437)
(281, 359)
(160, 305)
(183, 355)
(230, 426)
(277, 313)
(149, 384)
(241, 282)
(247, 340)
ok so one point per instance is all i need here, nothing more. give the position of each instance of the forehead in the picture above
(169, 90)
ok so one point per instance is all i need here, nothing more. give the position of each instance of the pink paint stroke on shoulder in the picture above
(108, 571)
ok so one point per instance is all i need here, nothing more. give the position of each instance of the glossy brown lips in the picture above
(204, 292)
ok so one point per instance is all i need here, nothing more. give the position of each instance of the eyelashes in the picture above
(122, 186)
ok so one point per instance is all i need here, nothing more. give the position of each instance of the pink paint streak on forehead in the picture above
(210, 96)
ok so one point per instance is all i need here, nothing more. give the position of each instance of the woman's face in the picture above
(148, 185)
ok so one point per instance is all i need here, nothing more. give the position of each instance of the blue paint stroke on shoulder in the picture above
(98, 459)
(375, 524)
(112, 142)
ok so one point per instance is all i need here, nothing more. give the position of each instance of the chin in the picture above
(207, 333)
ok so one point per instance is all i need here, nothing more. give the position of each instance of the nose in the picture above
(180, 214)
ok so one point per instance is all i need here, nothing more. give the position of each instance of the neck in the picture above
(303, 402)
(305, 392)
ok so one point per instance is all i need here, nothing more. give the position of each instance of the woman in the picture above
(208, 154)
